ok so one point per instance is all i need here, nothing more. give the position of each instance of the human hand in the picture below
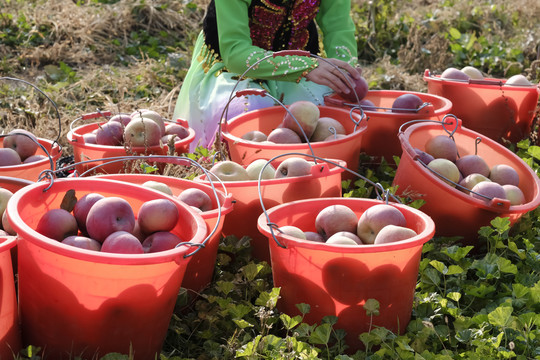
(328, 73)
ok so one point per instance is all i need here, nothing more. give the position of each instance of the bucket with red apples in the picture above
(87, 284)
(142, 132)
(353, 258)
(465, 178)
(24, 155)
(501, 109)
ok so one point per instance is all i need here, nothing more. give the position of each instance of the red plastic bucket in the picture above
(337, 280)
(76, 302)
(31, 171)
(488, 107)
(84, 152)
(10, 333)
(456, 213)
(380, 139)
(324, 181)
(267, 119)
(200, 268)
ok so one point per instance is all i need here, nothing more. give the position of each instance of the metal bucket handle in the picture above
(378, 187)
(262, 92)
(178, 160)
(47, 97)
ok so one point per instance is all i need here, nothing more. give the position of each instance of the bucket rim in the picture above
(7, 242)
(14, 181)
(75, 134)
(485, 84)
(289, 241)
(512, 209)
(447, 107)
(54, 152)
(362, 127)
(334, 170)
(226, 200)
(25, 233)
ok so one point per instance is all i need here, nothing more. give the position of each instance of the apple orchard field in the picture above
(470, 301)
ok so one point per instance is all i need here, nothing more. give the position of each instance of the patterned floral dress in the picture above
(238, 33)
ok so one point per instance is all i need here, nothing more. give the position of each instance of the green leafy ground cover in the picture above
(470, 303)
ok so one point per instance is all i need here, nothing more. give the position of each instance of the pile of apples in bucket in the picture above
(108, 223)
(470, 172)
(339, 225)
(19, 147)
(143, 127)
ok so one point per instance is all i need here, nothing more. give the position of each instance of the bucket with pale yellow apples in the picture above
(78, 300)
(112, 135)
(501, 109)
(23, 155)
(386, 111)
(284, 178)
(466, 179)
(324, 254)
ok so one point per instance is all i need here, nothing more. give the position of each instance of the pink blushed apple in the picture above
(255, 135)
(176, 129)
(142, 132)
(22, 141)
(407, 103)
(393, 233)
(152, 115)
(375, 218)
(122, 242)
(109, 215)
(57, 224)
(442, 146)
(335, 218)
(470, 164)
(313, 236)
(34, 158)
(504, 174)
(197, 198)
(452, 73)
(157, 215)
(487, 190)
(293, 166)
(123, 119)
(345, 234)
(82, 242)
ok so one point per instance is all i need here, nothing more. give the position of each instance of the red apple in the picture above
(111, 133)
(160, 241)
(122, 242)
(90, 138)
(57, 224)
(407, 103)
(424, 156)
(313, 236)
(360, 88)
(123, 119)
(197, 198)
(82, 242)
(176, 129)
(442, 146)
(22, 141)
(157, 215)
(375, 218)
(82, 207)
(109, 215)
(9, 157)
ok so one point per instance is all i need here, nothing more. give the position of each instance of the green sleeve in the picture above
(239, 54)
(335, 22)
